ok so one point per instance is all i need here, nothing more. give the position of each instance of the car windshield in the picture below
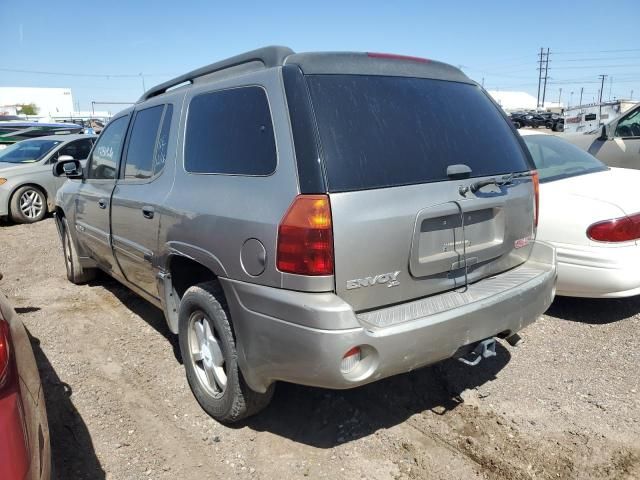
(556, 159)
(28, 151)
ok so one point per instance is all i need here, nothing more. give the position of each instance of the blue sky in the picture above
(104, 46)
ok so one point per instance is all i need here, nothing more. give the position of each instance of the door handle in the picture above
(147, 212)
(102, 203)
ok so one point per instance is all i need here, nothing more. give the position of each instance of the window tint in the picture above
(629, 126)
(140, 152)
(230, 132)
(79, 149)
(556, 159)
(380, 131)
(163, 141)
(105, 157)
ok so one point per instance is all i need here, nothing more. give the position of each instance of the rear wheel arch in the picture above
(183, 272)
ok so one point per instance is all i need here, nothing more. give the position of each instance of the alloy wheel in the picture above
(206, 354)
(31, 204)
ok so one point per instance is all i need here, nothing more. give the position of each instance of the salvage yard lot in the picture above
(564, 404)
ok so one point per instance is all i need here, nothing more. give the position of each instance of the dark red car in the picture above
(24, 432)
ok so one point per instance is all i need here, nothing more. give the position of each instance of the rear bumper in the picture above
(598, 272)
(301, 337)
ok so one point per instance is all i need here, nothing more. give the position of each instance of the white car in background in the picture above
(591, 214)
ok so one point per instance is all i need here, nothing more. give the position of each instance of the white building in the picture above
(513, 101)
(521, 101)
(49, 101)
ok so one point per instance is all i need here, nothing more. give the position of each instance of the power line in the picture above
(598, 51)
(92, 75)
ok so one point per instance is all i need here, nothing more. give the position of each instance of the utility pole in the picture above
(144, 89)
(546, 76)
(610, 85)
(539, 76)
(482, 82)
(570, 99)
(631, 96)
(559, 97)
(602, 77)
(581, 92)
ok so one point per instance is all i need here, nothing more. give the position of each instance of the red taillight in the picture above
(392, 56)
(623, 229)
(535, 177)
(4, 351)
(305, 237)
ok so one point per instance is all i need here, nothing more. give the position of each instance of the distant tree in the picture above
(28, 109)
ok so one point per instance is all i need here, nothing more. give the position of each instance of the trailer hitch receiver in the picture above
(484, 349)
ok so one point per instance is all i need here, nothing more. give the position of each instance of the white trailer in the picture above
(585, 118)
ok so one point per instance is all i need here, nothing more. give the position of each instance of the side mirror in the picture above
(604, 133)
(67, 166)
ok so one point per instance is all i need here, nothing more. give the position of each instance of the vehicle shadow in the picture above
(326, 418)
(138, 305)
(72, 452)
(594, 311)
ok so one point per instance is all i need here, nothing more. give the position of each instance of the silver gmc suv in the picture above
(328, 219)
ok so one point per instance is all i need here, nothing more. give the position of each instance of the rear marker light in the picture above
(623, 229)
(305, 237)
(351, 360)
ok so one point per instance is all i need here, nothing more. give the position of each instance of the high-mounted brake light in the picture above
(4, 352)
(623, 229)
(535, 177)
(392, 56)
(305, 237)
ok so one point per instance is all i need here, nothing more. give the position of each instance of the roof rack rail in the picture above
(272, 56)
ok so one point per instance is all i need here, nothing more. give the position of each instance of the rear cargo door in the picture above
(402, 228)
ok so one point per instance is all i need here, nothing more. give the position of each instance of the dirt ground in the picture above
(564, 404)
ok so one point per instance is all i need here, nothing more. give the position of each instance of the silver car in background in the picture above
(27, 185)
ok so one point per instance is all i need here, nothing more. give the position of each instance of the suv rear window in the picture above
(230, 132)
(379, 131)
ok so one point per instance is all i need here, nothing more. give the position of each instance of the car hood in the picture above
(616, 186)
(9, 168)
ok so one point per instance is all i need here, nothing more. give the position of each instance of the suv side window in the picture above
(139, 159)
(79, 149)
(629, 126)
(230, 132)
(103, 164)
(160, 157)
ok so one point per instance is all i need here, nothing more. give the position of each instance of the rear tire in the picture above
(28, 204)
(75, 272)
(208, 348)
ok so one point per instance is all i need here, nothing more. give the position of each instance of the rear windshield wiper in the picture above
(499, 182)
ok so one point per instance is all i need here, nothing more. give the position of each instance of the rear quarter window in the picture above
(230, 132)
(378, 131)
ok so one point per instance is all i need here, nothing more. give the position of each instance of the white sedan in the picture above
(591, 214)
